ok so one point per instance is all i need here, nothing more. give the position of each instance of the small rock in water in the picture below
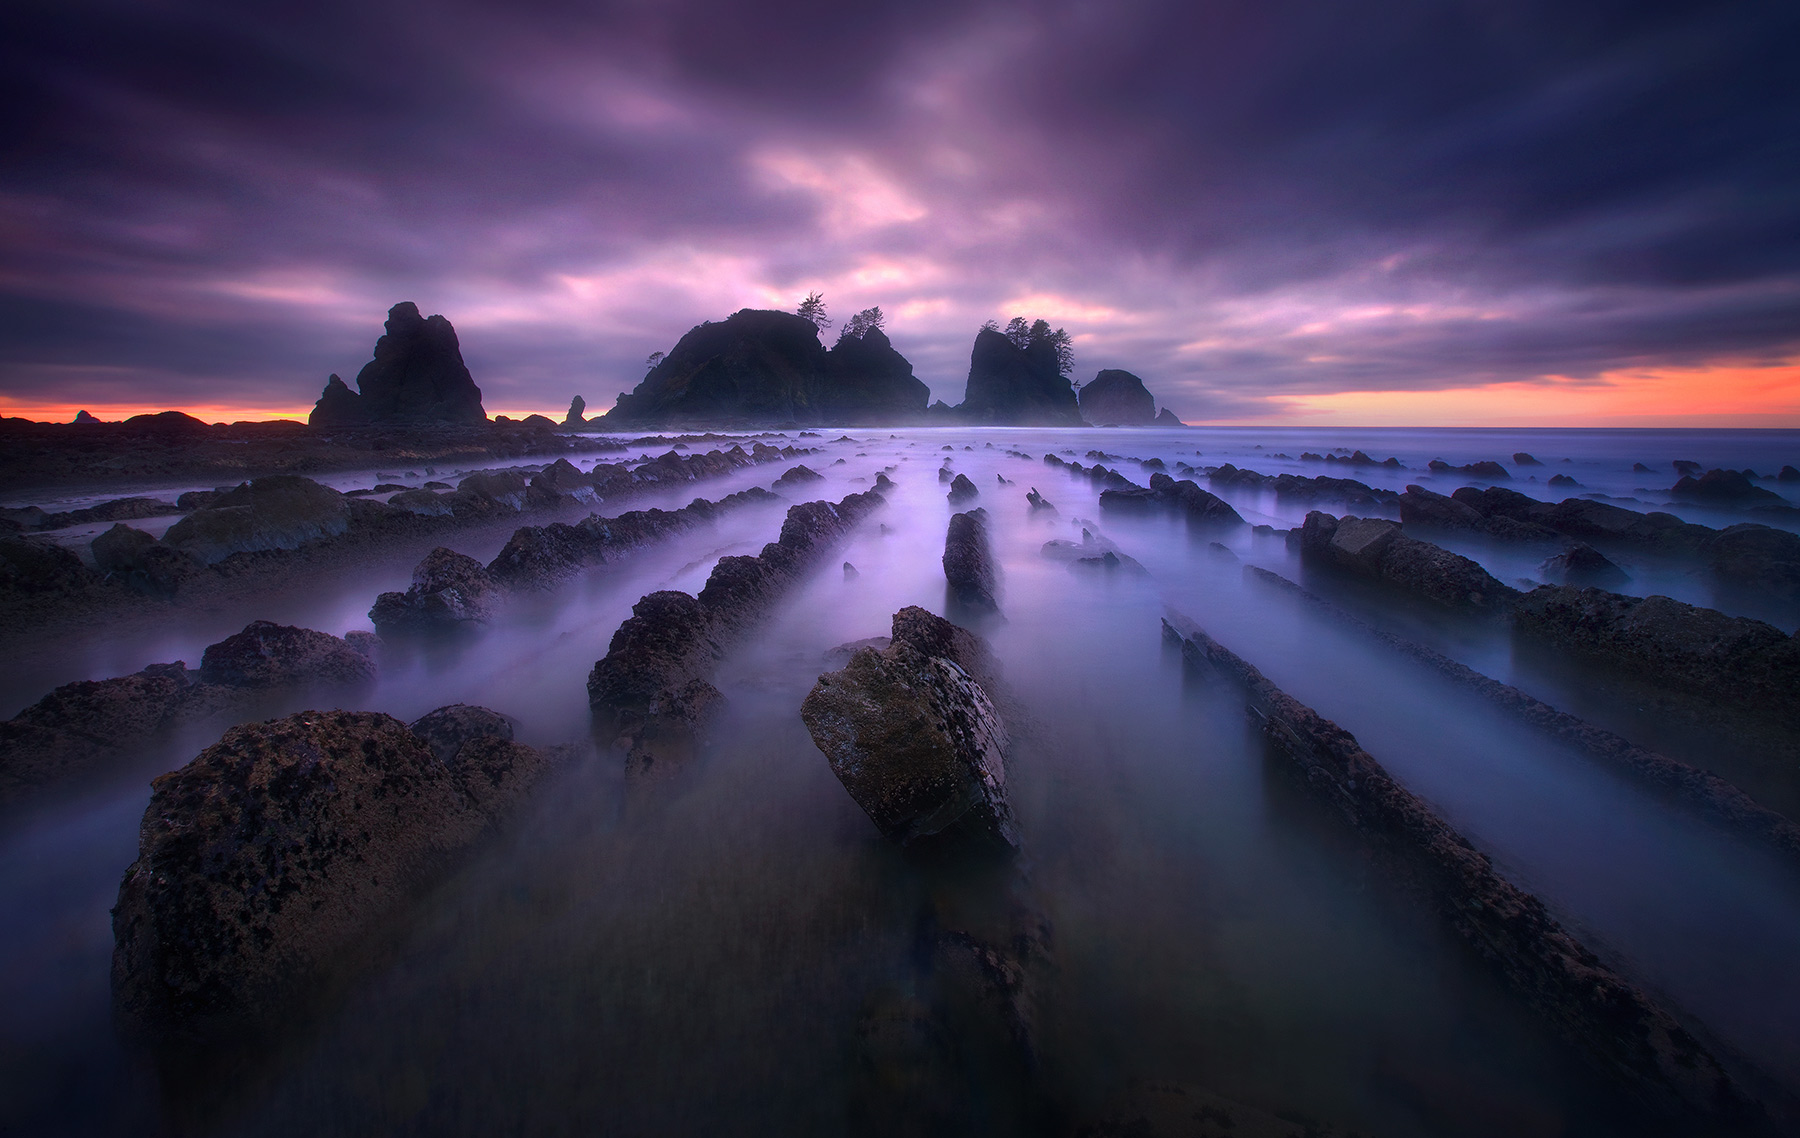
(1523, 459)
(1582, 564)
(850, 573)
(969, 563)
(1038, 501)
(961, 490)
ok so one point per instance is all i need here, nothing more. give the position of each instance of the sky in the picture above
(1435, 212)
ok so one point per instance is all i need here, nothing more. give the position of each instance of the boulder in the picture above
(577, 416)
(799, 476)
(1523, 459)
(1166, 418)
(1360, 543)
(916, 741)
(969, 562)
(34, 565)
(1698, 650)
(120, 548)
(1375, 547)
(269, 655)
(1422, 507)
(264, 862)
(1039, 502)
(448, 589)
(1117, 398)
(1724, 486)
(417, 376)
(425, 503)
(1582, 564)
(65, 733)
(563, 479)
(449, 729)
(962, 490)
(1756, 557)
(281, 511)
(506, 487)
(1788, 474)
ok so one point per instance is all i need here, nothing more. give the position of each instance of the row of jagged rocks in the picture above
(286, 512)
(1620, 1028)
(651, 694)
(88, 724)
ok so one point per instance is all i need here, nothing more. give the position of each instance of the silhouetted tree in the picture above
(1019, 332)
(1024, 335)
(862, 323)
(813, 309)
(652, 360)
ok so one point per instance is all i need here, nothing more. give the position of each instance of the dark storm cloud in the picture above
(1238, 199)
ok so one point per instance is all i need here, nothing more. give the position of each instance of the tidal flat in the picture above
(1194, 929)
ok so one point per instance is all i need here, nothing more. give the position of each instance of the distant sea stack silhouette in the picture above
(417, 376)
(1117, 398)
(1010, 385)
(764, 368)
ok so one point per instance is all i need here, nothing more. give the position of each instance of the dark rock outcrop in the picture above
(916, 740)
(1582, 564)
(1621, 1029)
(281, 511)
(652, 694)
(86, 725)
(799, 476)
(1039, 503)
(417, 377)
(142, 563)
(1487, 468)
(1019, 386)
(1724, 486)
(1297, 488)
(267, 655)
(36, 565)
(1523, 459)
(577, 416)
(961, 490)
(1757, 557)
(1375, 548)
(448, 589)
(267, 859)
(1700, 651)
(1166, 418)
(769, 368)
(969, 566)
(450, 729)
(1117, 398)
(1166, 495)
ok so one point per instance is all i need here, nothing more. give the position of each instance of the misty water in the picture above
(695, 958)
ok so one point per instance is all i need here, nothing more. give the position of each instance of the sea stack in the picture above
(417, 376)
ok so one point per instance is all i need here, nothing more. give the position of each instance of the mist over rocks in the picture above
(1376, 548)
(417, 377)
(1117, 398)
(767, 368)
(282, 511)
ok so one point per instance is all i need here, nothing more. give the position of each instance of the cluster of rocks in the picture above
(1489, 469)
(651, 694)
(1356, 458)
(34, 518)
(268, 860)
(1376, 548)
(1165, 495)
(1299, 488)
(1734, 486)
(451, 589)
(86, 725)
(1093, 552)
(1618, 1026)
(1749, 555)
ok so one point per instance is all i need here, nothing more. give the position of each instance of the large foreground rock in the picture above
(915, 738)
(282, 511)
(268, 858)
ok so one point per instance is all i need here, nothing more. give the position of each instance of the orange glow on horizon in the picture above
(207, 412)
(1720, 395)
